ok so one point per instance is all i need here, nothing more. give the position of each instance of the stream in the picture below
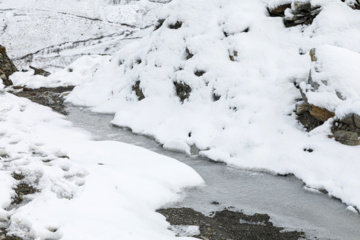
(284, 199)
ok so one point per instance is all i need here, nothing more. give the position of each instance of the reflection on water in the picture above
(284, 198)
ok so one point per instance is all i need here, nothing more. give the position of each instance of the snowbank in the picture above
(85, 189)
(220, 75)
(74, 74)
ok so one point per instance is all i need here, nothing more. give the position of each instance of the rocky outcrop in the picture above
(298, 13)
(7, 67)
(345, 130)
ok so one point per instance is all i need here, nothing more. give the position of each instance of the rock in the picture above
(199, 73)
(159, 24)
(39, 71)
(233, 55)
(182, 90)
(302, 13)
(349, 120)
(313, 55)
(188, 54)
(357, 120)
(177, 25)
(138, 91)
(347, 138)
(7, 67)
(279, 10)
(320, 114)
(5, 80)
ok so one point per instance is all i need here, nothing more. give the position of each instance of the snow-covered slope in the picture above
(52, 34)
(83, 189)
(220, 75)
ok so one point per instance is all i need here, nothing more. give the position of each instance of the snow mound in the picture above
(74, 74)
(336, 76)
(82, 189)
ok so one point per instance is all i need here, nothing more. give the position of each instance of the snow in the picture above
(114, 188)
(250, 61)
(74, 74)
(253, 124)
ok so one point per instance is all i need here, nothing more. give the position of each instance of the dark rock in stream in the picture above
(227, 224)
(51, 97)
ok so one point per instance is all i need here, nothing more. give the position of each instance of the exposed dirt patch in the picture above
(4, 236)
(21, 190)
(227, 224)
(51, 97)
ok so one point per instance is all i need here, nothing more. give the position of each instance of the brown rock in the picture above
(320, 114)
(279, 10)
(313, 55)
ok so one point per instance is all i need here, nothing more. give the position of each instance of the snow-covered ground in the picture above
(52, 34)
(237, 67)
(85, 189)
(241, 65)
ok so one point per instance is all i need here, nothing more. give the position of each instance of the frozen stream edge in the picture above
(284, 199)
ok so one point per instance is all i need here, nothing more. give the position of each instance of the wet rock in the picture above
(228, 224)
(182, 90)
(138, 91)
(7, 67)
(279, 10)
(51, 97)
(39, 71)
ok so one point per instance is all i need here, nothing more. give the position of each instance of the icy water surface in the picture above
(285, 199)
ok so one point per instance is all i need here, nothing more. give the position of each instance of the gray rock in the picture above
(303, 14)
(349, 120)
(357, 120)
(347, 138)
(182, 90)
(39, 71)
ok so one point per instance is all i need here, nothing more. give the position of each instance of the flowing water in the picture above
(285, 199)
